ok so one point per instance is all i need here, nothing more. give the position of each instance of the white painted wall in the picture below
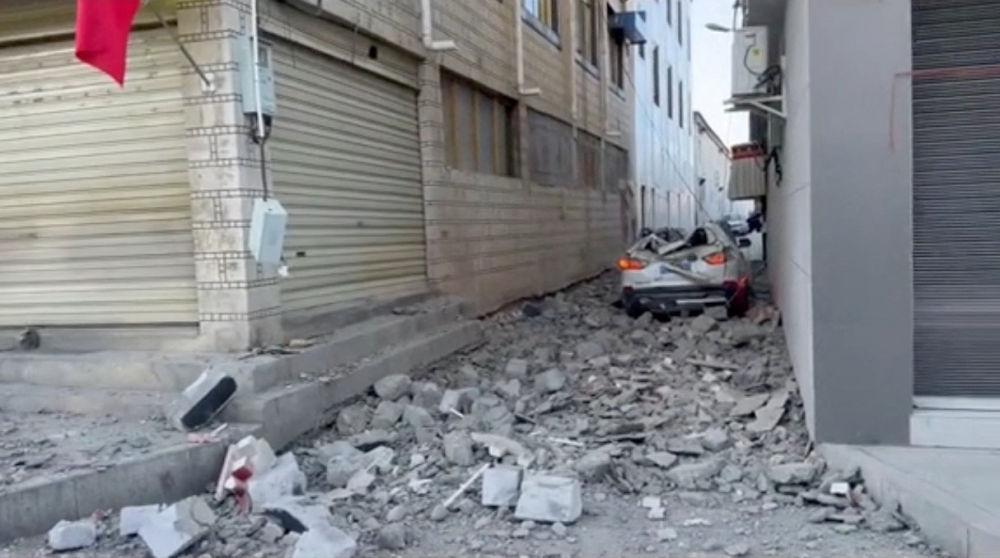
(663, 150)
(788, 213)
(711, 162)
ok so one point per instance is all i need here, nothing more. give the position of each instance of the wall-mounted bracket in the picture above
(768, 105)
(530, 92)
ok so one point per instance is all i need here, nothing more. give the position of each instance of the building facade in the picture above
(712, 165)
(495, 170)
(882, 226)
(665, 184)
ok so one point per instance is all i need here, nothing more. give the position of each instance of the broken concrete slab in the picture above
(549, 499)
(746, 406)
(178, 527)
(324, 542)
(72, 535)
(201, 401)
(501, 486)
(587, 350)
(768, 416)
(418, 417)
(132, 518)
(282, 480)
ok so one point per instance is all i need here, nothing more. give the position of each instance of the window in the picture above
(479, 130)
(680, 103)
(587, 23)
(680, 26)
(656, 76)
(616, 55)
(545, 12)
(670, 92)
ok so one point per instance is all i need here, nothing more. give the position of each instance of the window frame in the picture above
(543, 15)
(670, 92)
(617, 56)
(680, 103)
(656, 75)
(502, 129)
(680, 23)
(587, 50)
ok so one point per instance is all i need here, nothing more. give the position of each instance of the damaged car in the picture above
(705, 269)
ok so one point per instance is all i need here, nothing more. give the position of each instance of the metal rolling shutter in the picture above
(346, 156)
(956, 198)
(95, 219)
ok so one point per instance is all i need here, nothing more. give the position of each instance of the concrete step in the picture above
(126, 404)
(346, 346)
(124, 370)
(288, 411)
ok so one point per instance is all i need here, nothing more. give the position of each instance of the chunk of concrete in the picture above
(418, 417)
(393, 387)
(426, 394)
(132, 518)
(326, 542)
(587, 350)
(517, 369)
(341, 468)
(282, 480)
(501, 486)
(299, 514)
(201, 401)
(458, 448)
(661, 459)
(178, 527)
(392, 537)
(793, 473)
(689, 474)
(550, 381)
(386, 415)
(716, 439)
(340, 448)
(549, 499)
(72, 535)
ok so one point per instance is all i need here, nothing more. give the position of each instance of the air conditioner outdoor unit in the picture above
(749, 60)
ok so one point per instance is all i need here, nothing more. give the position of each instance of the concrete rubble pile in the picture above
(569, 397)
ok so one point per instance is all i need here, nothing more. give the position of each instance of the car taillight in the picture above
(630, 264)
(717, 258)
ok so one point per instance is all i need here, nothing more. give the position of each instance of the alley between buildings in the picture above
(680, 438)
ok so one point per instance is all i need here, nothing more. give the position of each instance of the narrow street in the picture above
(687, 436)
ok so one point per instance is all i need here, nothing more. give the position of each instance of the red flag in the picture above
(102, 31)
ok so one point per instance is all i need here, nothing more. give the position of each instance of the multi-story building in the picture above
(883, 229)
(492, 167)
(712, 165)
(664, 161)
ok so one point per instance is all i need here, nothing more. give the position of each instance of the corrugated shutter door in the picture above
(956, 197)
(95, 220)
(346, 156)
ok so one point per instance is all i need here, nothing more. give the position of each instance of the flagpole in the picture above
(204, 78)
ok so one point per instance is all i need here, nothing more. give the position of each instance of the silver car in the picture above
(706, 268)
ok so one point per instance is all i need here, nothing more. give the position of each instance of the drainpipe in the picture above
(573, 102)
(427, 21)
(519, 55)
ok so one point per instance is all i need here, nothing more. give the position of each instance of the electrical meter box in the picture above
(749, 60)
(267, 231)
(268, 103)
